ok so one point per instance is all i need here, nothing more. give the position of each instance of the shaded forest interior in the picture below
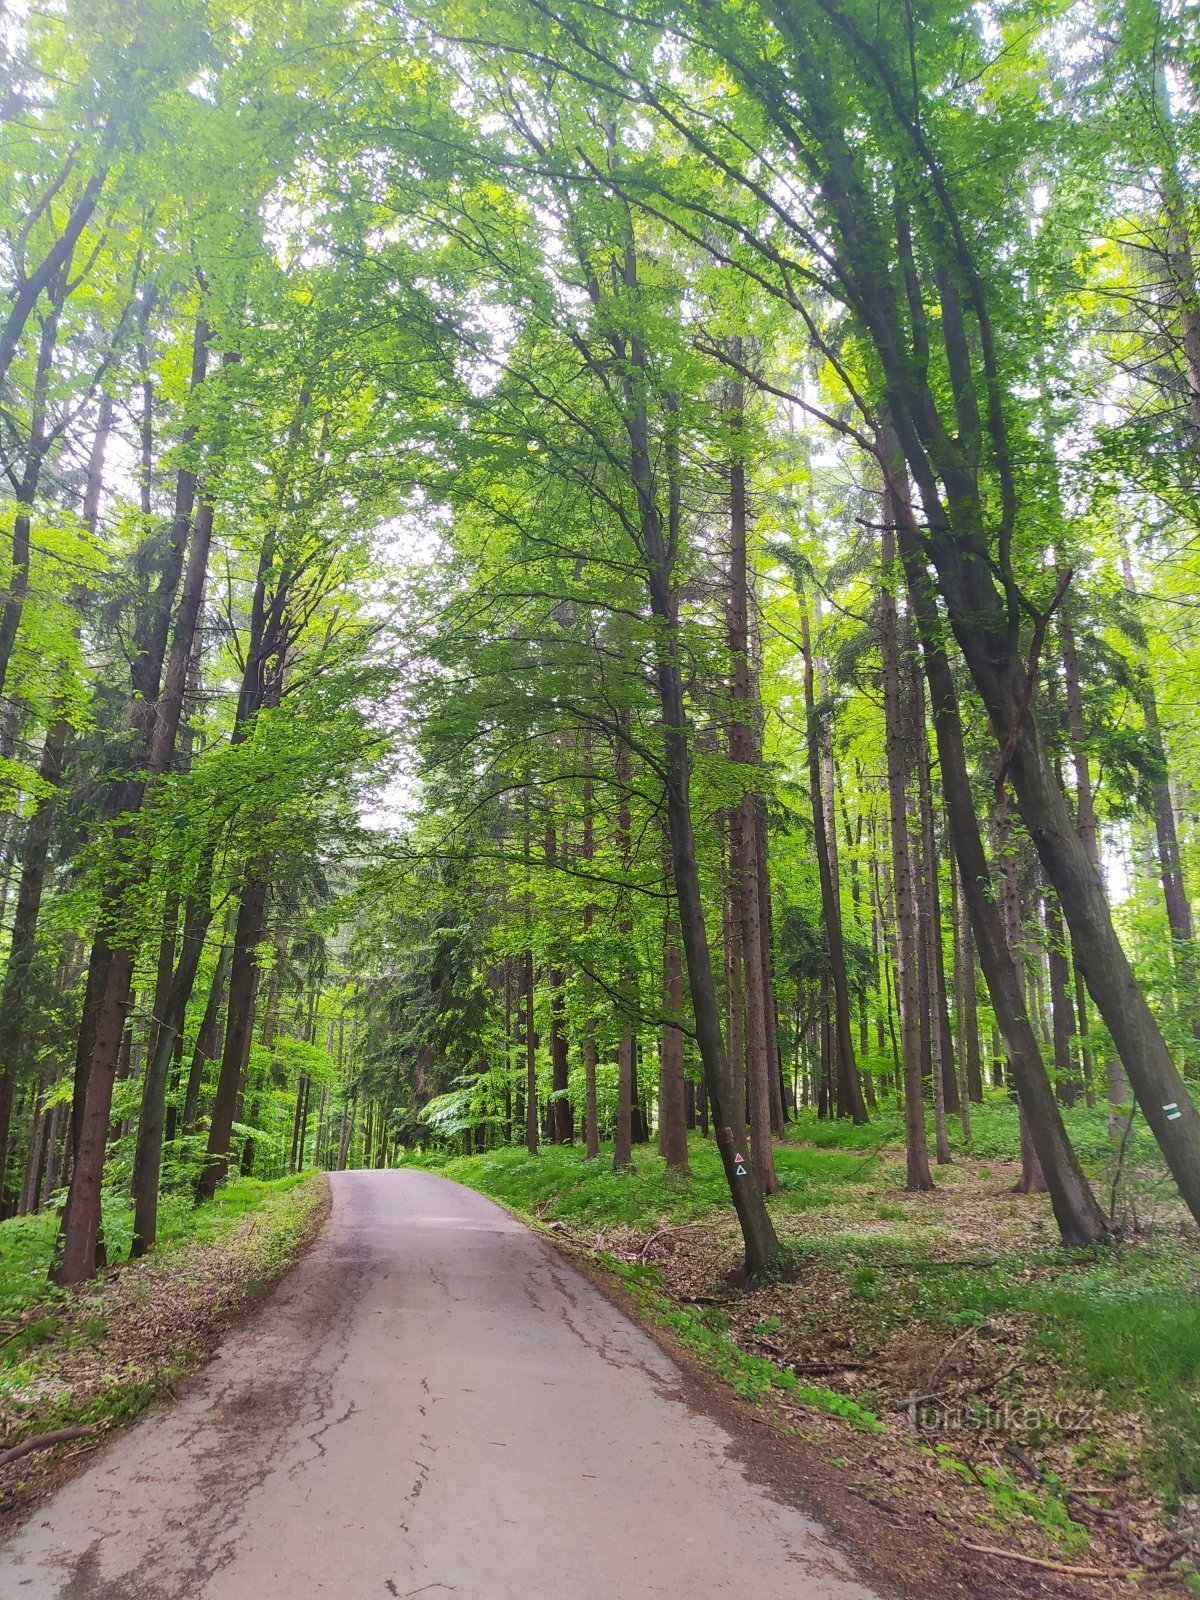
(572, 577)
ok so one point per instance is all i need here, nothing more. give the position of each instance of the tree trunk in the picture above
(758, 1233)
(1079, 1218)
(898, 721)
(672, 1124)
(966, 985)
(743, 821)
(561, 1120)
(148, 1153)
(659, 543)
(531, 1043)
(1062, 1015)
(623, 1132)
(239, 1025)
(155, 710)
(849, 1089)
(590, 1053)
(779, 1091)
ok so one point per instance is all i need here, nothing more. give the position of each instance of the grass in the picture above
(560, 1185)
(27, 1243)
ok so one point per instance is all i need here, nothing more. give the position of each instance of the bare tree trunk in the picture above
(735, 1009)
(966, 986)
(561, 1120)
(779, 1093)
(148, 1153)
(239, 1027)
(623, 1132)
(659, 543)
(1079, 1218)
(743, 819)
(931, 933)
(591, 1055)
(897, 723)
(672, 1125)
(1062, 1016)
(849, 1089)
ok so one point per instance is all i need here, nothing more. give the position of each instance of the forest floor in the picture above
(955, 1370)
(93, 1357)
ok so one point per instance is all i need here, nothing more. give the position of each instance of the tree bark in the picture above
(744, 886)
(672, 1125)
(239, 1027)
(849, 1088)
(1079, 1218)
(591, 1112)
(148, 1152)
(153, 728)
(623, 1132)
(899, 768)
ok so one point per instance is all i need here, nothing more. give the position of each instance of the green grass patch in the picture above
(560, 1185)
(27, 1243)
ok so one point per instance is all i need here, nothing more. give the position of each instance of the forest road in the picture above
(431, 1404)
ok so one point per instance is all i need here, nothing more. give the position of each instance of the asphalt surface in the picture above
(432, 1403)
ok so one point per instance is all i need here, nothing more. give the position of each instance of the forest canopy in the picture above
(579, 573)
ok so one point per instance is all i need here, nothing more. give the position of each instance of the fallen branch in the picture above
(43, 1441)
(661, 1233)
(1050, 1566)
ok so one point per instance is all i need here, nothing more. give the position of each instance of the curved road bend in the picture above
(431, 1404)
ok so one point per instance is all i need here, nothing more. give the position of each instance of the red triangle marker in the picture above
(739, 1160)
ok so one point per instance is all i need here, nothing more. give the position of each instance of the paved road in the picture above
(431, 1404)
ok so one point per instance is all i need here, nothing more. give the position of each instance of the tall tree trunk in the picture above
(148, 1152)
(672, 1125)
(966, 986)
(208, 1037)
(591, 1111)
(743, 822)
(623, 1132)
(930, 923)
(779, 1093)
(735, 1007)
(849, 1088)
(659, 543)
(1089, 832)
(560, 1105)
(531, 1044)
(1062, 1015)
(1079, 1218)
(155, 710)
(898, 720)
(239, 1026)
(1032, 1179)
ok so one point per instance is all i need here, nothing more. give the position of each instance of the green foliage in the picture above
(1012, 1506)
